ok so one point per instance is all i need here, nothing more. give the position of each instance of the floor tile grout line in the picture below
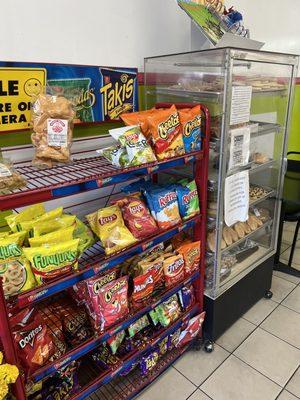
(279, 394)
(261, 372)
(256, 326)
(298, 368)
(277, 305)
(291, 309)
(289, 292)
(199, 391)
(271, 333)
(185, 376)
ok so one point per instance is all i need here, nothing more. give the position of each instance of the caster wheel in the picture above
(208, 346)
(268, 294)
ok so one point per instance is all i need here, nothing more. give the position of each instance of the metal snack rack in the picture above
(85, 174)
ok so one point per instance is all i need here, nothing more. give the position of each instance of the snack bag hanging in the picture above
(108, 224)
(166, 133)
(28, 225)
(27, 214)
(138, 150)
(52, 120)
(191, 254)
(137, 217)
(113, 302)
(15, 270)
(163, 205)
(139, 118)
(50, 262)
(44, 227)
(188, 200)
(84, 234)
(34, 341)
(61, 235)
(190, 120)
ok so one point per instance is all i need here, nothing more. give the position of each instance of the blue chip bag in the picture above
(188, 200)
(163, 205)
(139, 186)
(190, 120)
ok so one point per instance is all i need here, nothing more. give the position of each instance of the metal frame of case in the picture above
(167, 77)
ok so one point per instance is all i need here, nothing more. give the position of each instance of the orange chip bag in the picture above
(191, 256)
(166, 133)
(139, 118)
(173, 268)
(190, 120)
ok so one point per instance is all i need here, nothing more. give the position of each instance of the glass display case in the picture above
(249, 96)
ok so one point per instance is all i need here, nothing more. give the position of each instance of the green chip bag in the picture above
(27, 214)
(188, 200)
(116, 155)
(138, 150)
(84, 234)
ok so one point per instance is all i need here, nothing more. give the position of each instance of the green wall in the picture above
(294, 138)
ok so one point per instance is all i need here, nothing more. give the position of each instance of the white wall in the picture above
(118, 32)
(274, 22)
(101, 32)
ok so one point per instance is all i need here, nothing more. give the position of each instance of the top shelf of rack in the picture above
(85, 173)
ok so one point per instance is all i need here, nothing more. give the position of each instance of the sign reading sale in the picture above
(17, 86)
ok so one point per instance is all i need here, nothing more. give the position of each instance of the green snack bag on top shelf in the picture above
(27, 214)
(138, 150)
(116, 155)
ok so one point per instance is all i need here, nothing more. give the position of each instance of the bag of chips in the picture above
(188, 200)
(61, 235)
(191, 255)
(33, 339)
(138, 326)
(117, 155)
(104, 359)
(173, 268)
(143, 286)
(84, 234)
(138, 150)
(108, 224)
(113, 302)
(168, 311)
(15, 270)
(149, 361)
(49, 263)
(166, 133)
(163, 205)
(137, 217)
(190, 120)
(139, 118)
(48, 216)
(192, 330)
(115, 341)
(27, 214)
(186, 297)
(153, 264)
(44, 227)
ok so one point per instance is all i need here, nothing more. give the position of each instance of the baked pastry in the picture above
(252, 223)
(227, 236)
(211, 241)
(256, 219)
(260, 158)
(246, 228)
(264, 215)
(239, 228)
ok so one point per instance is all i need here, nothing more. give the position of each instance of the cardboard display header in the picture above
(99, 93)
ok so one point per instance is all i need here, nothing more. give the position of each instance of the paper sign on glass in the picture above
(239, 147)
(240, 104)
(236, 200)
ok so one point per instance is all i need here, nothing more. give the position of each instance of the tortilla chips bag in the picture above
(108, 224)
(166, 133)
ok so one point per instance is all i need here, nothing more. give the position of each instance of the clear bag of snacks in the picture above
(52, 123)
(10, 179)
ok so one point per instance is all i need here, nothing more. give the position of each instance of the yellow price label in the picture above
(17, 86)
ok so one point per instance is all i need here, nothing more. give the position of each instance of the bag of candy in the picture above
(190, 120)
(108, 224)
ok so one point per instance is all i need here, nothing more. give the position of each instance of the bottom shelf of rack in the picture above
(127, 387)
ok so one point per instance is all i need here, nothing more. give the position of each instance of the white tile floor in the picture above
(258, 358)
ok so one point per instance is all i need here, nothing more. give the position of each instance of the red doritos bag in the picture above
(33, 340)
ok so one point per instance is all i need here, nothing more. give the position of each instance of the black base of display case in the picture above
(223, 311)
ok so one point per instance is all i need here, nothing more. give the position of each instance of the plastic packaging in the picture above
(10, 179)
(52, 120)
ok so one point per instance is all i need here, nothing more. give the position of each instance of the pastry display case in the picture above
(249, 96)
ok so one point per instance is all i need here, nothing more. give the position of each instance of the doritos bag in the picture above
(34, 341)
(166, 133)
(190, 120)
